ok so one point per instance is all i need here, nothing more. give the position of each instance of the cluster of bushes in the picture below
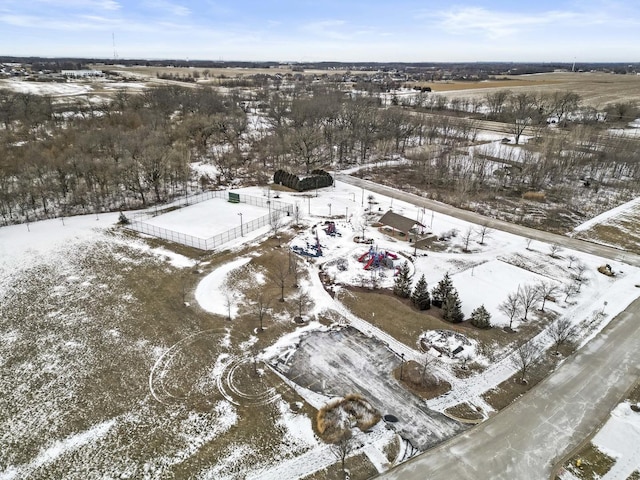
(337, 416)
(317, 179)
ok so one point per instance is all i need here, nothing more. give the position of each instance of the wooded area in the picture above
(79, 156)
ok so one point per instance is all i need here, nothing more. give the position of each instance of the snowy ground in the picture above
(208, 218)
(363, 365)
(619, 438)
(180, 362)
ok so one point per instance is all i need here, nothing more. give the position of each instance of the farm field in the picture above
(596, 89)
(155, 351)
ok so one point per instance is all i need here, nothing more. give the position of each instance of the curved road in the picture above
(524, 440)
(539, 235)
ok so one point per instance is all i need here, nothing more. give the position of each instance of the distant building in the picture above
(81, 73)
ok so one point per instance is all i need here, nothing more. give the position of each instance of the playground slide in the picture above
(363, 256)
(392, 255)
(369, 263)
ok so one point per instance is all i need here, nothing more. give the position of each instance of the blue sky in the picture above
(302, 30)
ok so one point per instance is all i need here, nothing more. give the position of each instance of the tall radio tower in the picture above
(113, 39)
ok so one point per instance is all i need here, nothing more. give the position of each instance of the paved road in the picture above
(539, 235)
(524, 441)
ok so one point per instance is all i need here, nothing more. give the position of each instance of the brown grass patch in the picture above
(464, 411)
(344, 413)
(424, 385)
(590, 463)
(359, 467)
(534, 196)
(398, 318)
(509, 390)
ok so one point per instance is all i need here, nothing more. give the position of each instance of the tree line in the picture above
(135, 150)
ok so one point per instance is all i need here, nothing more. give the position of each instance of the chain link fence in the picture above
(277, 210)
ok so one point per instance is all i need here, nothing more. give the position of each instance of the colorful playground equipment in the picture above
(330, 229)
(311, 250)
(376, 259)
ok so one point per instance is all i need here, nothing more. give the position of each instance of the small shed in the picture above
(399, 223)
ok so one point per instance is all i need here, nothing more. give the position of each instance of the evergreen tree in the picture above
(442, 290)
(481, 318)
(402, 285)
(452, 308)
(420, 296)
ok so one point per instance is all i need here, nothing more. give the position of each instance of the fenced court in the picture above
(211, 219)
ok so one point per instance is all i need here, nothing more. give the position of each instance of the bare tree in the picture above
(527, 296)
(279, 276)
(528, 242)
(302, 301)
(579, 275)
(294, 268)
(277, 223)
(554, 250)
(510, 307)
(229, 301)
(572, 258)
(546, 290)
(342, 448)
(521, 113)
(569, 289)
(561, 332)
(485, 232)
(261, 309)
(523, 358)
(466, 238)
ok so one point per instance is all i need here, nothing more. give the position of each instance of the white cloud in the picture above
(498, 23)
(335, 30)
(169, 7)
(110, 5)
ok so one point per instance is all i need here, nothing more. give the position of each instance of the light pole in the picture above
(362, 202)
(241, 232)
(329, 209)
(269, 205)
(309, 198)
(401, 364)
(346, 215)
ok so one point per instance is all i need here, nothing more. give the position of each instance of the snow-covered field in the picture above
(48, 88)
(90, 368)
(208, 218)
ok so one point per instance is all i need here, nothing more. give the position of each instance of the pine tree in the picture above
(420, 296)
(402, 285)
(442, 290)
(481, 318)
(452, 308)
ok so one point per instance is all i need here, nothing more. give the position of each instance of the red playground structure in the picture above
(377, 259)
